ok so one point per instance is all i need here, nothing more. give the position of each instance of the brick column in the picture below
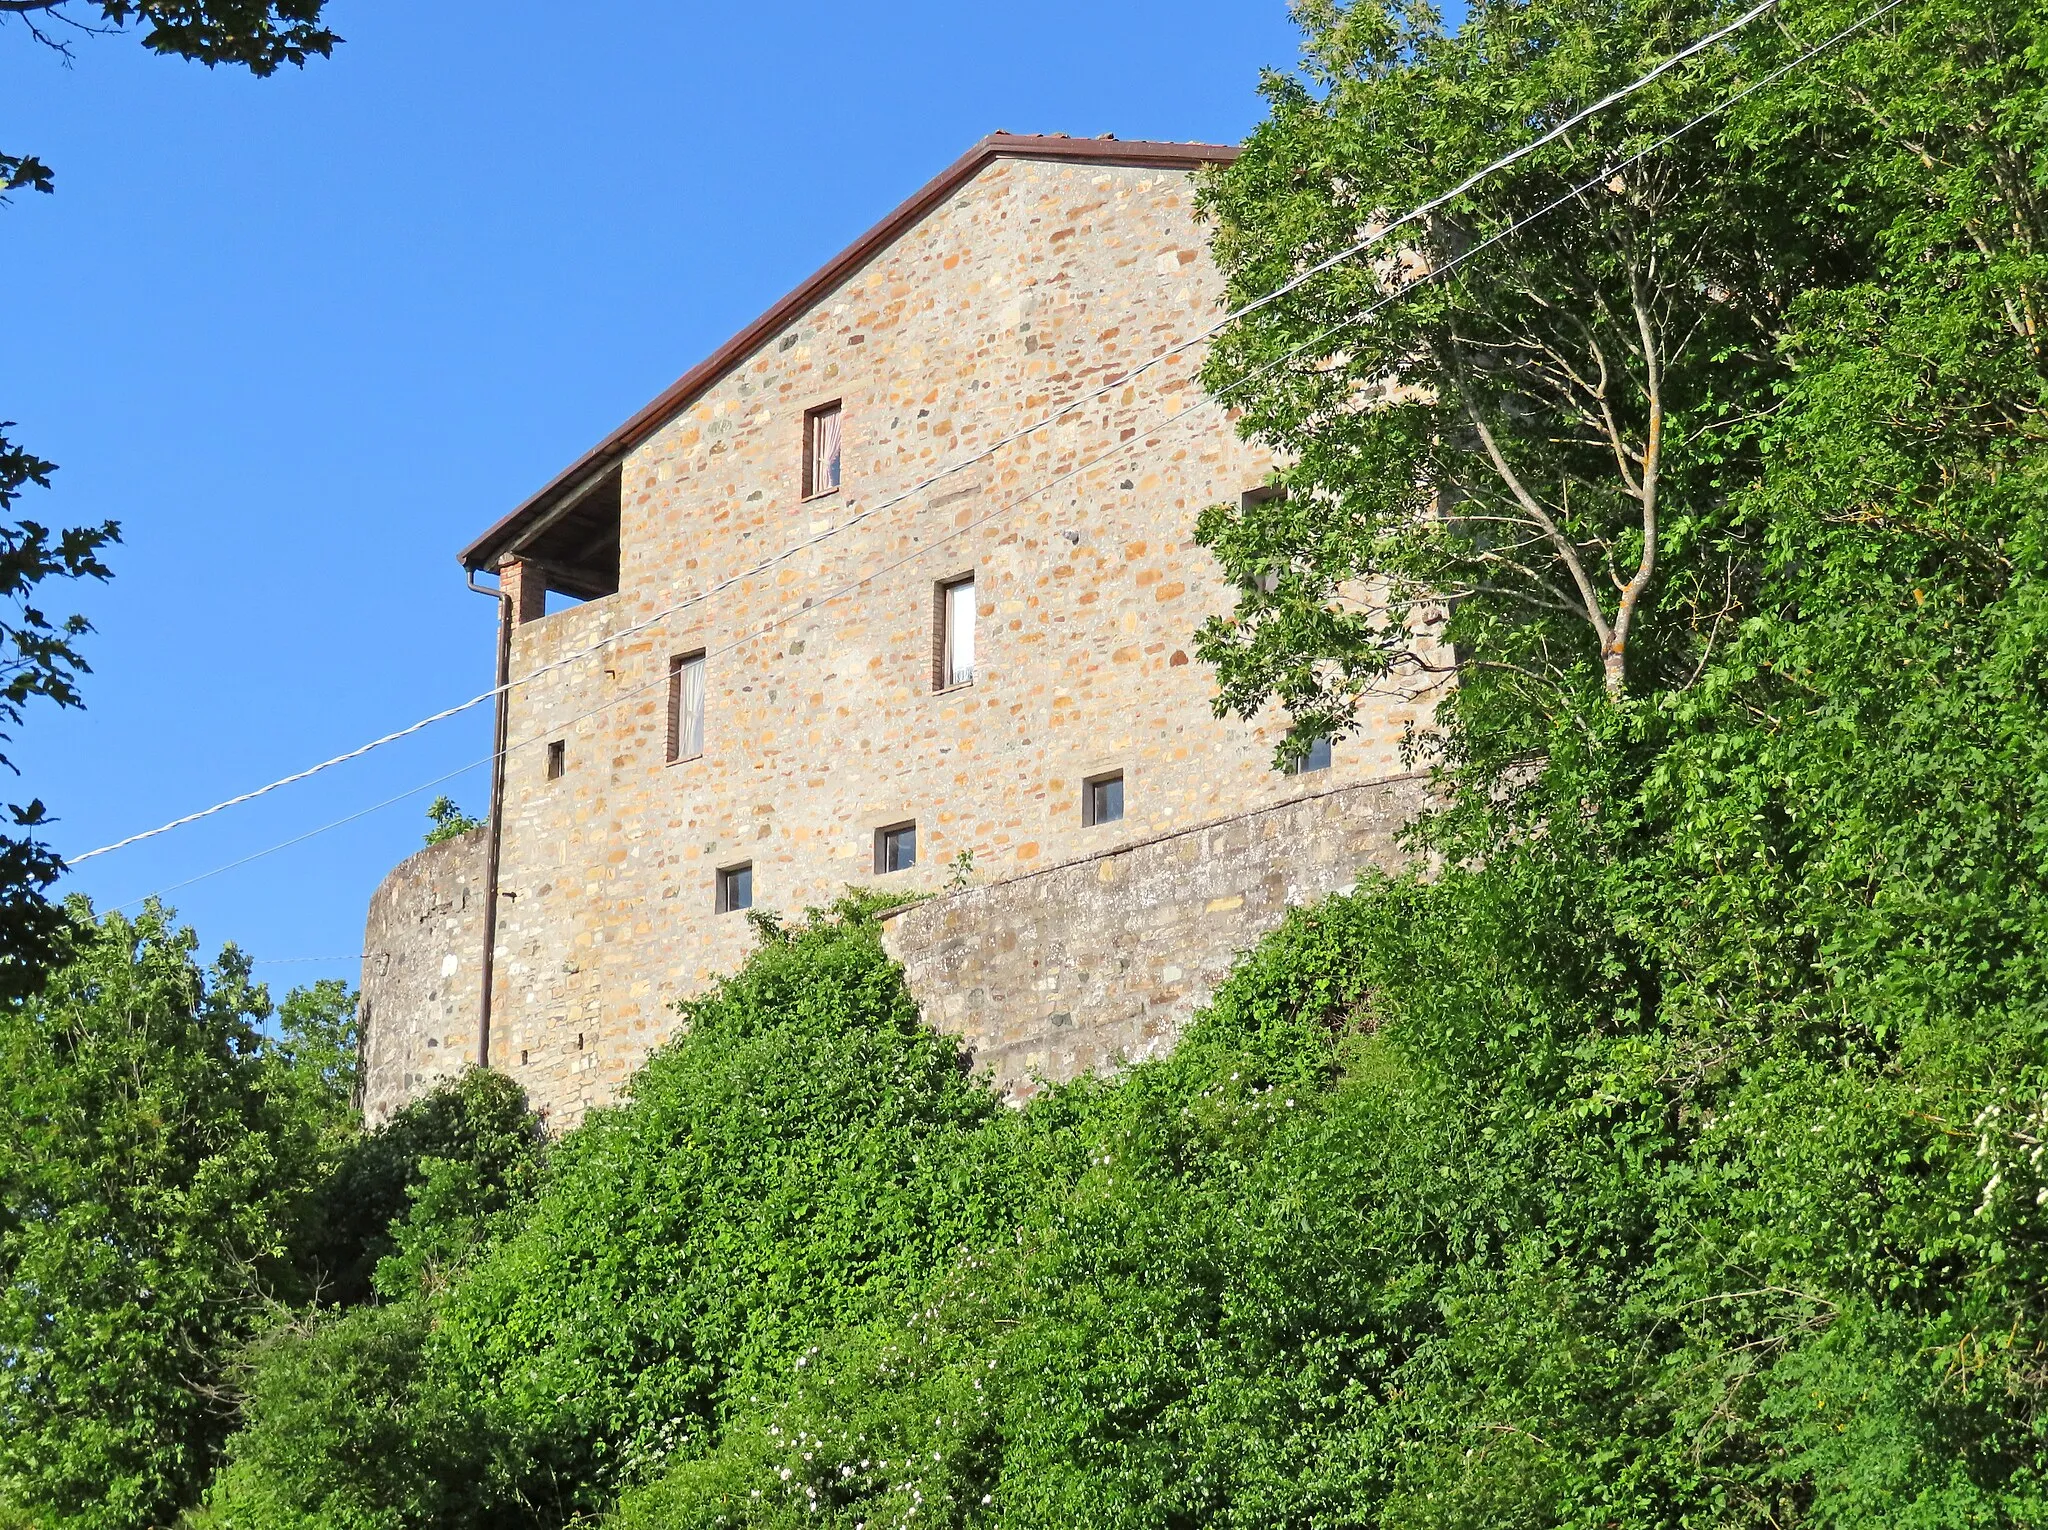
(526, 586)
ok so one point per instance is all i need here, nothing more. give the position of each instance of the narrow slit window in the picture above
(956, 633)
(821, 451)
(558, 758)
(685, 707)
(735, 888)
(1317, 758)
(895, 848)
(1102, 799)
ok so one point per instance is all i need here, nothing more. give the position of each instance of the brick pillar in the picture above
(526, 586)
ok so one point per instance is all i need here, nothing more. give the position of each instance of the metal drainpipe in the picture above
(483, 1025)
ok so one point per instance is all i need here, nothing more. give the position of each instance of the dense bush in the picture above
(421, 1191)
(803, 1153)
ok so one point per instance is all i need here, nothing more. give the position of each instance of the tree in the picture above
(1513, 428)
(258, 35)
(422, 1189)
(448, 820)
(153, 1164)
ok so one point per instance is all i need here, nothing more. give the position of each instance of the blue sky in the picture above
(305, 336)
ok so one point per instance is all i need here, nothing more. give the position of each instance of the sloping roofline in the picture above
(597, 464)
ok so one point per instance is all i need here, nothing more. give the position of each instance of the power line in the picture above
(1606, 173)
(1378, 236)
(257, 855)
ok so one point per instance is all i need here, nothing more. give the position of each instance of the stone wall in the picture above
(1101, 960)
(422, 973)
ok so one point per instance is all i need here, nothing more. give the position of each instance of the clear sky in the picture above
(304, 337)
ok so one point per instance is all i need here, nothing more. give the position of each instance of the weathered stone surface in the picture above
(1100, 961)
(422, 970)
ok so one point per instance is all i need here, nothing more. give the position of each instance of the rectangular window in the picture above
(1317, 758)
(558, 758)
(895, 848)
(685, 707)
(1102, 799)
(1267, 579)
(735, 888)
(821, 450)
(953, 634)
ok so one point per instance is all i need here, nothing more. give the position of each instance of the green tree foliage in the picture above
(258, 35)
(1514, 426)
(156, 1156)
(448, 820)
(422, 1190)
(39, 657)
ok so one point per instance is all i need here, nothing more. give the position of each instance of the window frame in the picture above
(1307, 764)
(942, 630)
(723, 882)
(813, 418)
(1268, 580)
(677, 664)
(1090, 811)
(884, 837)
(558, 758)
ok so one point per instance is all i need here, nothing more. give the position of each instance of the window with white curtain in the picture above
(686, 707)
(821, 451)
(956, 633)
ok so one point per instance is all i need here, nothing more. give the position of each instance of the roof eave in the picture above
(593, 464)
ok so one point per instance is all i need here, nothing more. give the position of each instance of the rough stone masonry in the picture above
(1036, 278)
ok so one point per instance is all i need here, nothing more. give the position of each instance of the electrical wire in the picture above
(1377, 236)
(257, 855)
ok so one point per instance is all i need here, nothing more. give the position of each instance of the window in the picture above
(895, 848)
(558, 758)
(1267, 579)
(1317, 758)
(821, 450)
(735, 888)
(685, 707)
(953, 634)
(1102, 799)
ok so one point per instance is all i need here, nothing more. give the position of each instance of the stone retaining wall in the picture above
(422, 970)
(1102, 960)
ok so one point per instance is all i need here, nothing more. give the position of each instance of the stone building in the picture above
(838, 609)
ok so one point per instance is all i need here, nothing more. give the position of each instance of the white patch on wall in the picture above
(449, 964)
